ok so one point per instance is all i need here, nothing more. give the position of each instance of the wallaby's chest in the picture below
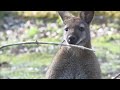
(74, 64)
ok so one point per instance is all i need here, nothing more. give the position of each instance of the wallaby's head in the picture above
(76, 29)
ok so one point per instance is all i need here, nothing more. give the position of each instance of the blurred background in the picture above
(32, 61)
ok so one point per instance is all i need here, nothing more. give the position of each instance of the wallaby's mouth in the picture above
(76, 42)
(72, 42)
(80, 42)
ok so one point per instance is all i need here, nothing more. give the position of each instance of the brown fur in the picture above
(74, 63)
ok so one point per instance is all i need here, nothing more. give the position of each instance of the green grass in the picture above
(32, 31)
(50, 40)
(25, 65)
(110, 43)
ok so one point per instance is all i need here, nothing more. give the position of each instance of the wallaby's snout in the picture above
(72, 39)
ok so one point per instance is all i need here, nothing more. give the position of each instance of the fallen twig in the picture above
(52, 43)
(118, 75)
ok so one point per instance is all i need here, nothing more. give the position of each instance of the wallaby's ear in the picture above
(87, 16)
(65, 15)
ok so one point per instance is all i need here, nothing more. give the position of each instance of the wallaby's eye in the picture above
(81, 28)
(66, 29)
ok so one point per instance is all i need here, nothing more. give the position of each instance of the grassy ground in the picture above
(25, 66)
(34, 65)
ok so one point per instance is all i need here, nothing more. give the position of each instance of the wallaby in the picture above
(72, 62)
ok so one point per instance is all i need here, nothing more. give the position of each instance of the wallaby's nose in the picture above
(72, 39)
